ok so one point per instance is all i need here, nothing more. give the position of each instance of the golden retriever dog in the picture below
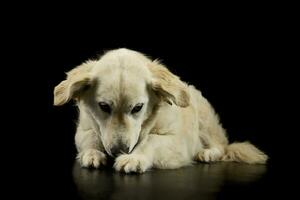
(136, 110)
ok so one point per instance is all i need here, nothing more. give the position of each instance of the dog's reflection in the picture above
(201, 180)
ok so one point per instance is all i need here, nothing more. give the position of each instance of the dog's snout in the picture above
(118, 149)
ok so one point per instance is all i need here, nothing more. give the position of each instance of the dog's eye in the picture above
(104, 107)
(137, 108)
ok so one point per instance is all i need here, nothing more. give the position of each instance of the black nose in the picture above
(118, 149)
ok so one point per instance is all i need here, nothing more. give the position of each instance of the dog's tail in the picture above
(244, 152)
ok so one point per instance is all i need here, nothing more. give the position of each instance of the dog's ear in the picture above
(77, 81)
(168, 86)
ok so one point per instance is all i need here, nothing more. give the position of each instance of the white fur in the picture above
(175, 127)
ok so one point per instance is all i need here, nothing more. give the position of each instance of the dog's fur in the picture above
(175, 126)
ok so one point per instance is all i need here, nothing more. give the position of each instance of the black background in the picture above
(239, 58)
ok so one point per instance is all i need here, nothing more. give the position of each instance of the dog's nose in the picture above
(118, 149)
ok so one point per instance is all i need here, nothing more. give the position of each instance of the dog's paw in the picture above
(209, 155)
(132, 163)
(91, 158)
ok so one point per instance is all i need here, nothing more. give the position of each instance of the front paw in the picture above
(91, 158)
(132, 163)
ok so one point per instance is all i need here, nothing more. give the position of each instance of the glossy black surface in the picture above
(201, 181)
(67, 180)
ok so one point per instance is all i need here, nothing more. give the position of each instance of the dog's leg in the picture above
(159, 151)
(89, 148)
(214, 142)
(211, 154)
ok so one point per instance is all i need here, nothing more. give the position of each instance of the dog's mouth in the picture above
(108, 151)
(121, 151)
(134, 146)
(137, 142)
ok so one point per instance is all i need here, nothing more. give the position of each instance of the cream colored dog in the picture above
(136, 110)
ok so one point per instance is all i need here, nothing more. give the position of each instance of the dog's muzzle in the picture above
(119, 149)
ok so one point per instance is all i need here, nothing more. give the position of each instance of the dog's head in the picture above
(121, 92)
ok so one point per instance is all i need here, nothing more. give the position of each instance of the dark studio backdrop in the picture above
(235, 59)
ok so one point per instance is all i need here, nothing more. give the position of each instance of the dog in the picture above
(135, 110)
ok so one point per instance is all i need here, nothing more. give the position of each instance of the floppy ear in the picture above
(168, 86)
(77, 80)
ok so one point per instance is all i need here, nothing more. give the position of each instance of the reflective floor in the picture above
(201, 181)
